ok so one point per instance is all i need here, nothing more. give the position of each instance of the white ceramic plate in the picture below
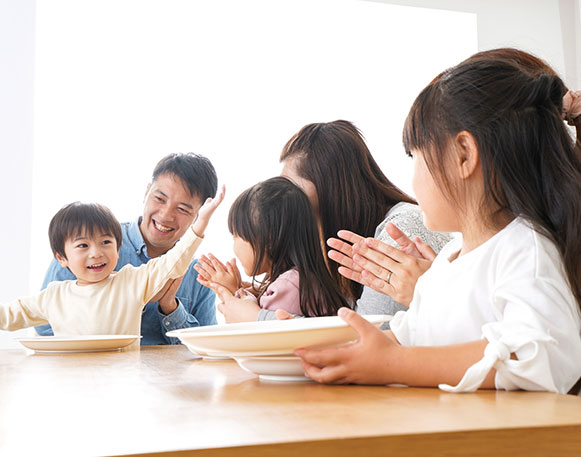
(202, 355)
(274, 368)
(270, 337)
(81, 343)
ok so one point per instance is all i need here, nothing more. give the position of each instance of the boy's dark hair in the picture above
(196, 172)
(277, 219)
(77, 218)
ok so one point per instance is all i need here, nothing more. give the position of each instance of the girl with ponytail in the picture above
(500, 305)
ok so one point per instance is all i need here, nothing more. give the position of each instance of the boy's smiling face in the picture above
(90, 258)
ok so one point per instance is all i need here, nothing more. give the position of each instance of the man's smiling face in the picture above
(169, 211)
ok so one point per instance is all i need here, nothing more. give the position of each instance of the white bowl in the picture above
(274, 368)
(276, 337)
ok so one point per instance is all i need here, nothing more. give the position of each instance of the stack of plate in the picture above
(266, 348)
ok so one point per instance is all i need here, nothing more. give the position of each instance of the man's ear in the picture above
(467, 154)
(62, 260)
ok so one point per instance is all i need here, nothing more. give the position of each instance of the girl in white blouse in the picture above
(499, 307)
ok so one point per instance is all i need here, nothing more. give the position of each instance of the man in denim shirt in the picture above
(180, 185)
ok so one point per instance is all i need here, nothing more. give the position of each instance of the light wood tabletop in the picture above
(160, 400)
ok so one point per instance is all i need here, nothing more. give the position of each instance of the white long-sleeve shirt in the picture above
(511, 290)
(111, 306)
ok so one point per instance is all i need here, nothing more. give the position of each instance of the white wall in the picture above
(549, 28)
(16, 98)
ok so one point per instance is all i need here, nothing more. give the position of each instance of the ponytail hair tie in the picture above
(572, 106)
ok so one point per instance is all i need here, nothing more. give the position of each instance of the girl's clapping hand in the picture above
(235, 309)
(373, 359)
(211, 270)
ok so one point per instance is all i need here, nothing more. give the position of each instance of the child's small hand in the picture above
(371, 360)
(210, 269)
(236, 309)
(206, 211)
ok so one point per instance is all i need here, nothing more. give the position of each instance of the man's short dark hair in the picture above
(77, 218)
(195, 171)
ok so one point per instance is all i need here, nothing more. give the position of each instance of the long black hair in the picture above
(529, 163)
(353, 193)
(277, 219)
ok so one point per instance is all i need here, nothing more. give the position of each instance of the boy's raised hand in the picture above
(206, 211)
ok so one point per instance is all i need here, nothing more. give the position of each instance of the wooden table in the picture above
(161, 401)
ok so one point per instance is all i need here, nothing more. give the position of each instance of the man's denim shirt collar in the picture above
(136, 238)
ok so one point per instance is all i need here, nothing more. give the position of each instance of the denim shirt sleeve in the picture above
(196, 307)
(54, 273)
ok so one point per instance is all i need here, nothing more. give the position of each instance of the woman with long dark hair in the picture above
(333, 165)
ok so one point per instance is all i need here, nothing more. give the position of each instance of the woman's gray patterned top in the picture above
(408, 218)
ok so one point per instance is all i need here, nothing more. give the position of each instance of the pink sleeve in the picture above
(283, 294)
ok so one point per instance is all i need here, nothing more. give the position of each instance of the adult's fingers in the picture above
(382, 248)
(349, 236)
(380, 285)
(351, 274)
(344, 260)
(340, 246)
(374, 262)
(425, 249)
(406, 244)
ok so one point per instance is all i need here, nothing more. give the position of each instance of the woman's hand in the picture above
(235, 309)
(210, 269)
(382, 267)
(373, 359)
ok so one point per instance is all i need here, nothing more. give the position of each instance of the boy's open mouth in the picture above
(162, 228)
(97, 266)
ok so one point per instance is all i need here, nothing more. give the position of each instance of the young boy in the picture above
(86, 239)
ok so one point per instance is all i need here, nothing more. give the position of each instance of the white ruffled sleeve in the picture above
(541, 327)
(528, 374)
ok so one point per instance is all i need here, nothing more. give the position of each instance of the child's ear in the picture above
(62, 260)
(467, 150)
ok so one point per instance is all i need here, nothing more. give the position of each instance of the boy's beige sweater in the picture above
(112, 306)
